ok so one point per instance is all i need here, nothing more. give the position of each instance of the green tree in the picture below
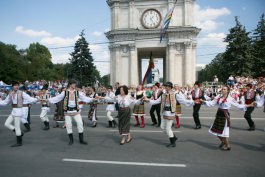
(83, 68)
(10, 62)
(258, 39)
(40, 62)
(238, 59)
(105, 80)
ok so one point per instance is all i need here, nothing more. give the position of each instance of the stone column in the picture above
(131, 14)
(115, 15)
(112, 64)
(117, 58)
(171, 61)
(194, 46)
(188, 63)
(133, 68)
(179, 64)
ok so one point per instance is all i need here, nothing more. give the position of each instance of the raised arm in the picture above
(237, 105)
(212, 103)
(57, 99)
(260, 99)
(182, 100)
(28, 99)
(5, 102)
(84, 98)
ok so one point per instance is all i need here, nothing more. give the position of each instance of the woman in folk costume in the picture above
(92, 114)
(124, 100)
(221, 124)
(178, 107)
(138, 110)
(59, 112)
(17, 98)
(111, 106)
(168, 106)
(45, 107)
(71, 109)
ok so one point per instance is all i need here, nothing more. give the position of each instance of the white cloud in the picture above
(59, 41)
(97, 33)
(215, 39)
(60, 58)
(32, 33)
(100, 53)
(206, 18)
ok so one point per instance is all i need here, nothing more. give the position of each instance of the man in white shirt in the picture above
(16, 97)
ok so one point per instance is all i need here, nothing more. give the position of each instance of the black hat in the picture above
(157, 84)
(168, 84)
(197, 83)
(109, 87)
(45, 87)
(23, 88)
(13, 83)
(72, 81)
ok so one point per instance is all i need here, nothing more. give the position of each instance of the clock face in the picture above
(151, 18)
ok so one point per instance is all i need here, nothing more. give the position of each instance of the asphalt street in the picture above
(47, 153)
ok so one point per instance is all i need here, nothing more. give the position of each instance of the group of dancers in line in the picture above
(167, 102)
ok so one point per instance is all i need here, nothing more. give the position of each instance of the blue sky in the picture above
(56, 23)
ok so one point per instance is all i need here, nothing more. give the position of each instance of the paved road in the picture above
(47, 153)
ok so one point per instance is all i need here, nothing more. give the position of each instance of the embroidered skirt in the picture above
(124, 120)
(178, 109)
(138, 110)
(59, 112)
(221, 124)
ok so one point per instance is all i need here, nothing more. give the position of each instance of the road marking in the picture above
(124, 163)
(143, 131)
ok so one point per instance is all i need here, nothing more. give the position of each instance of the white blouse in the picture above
(124, 101)
(220, 103)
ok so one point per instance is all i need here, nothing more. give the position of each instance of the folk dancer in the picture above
(157, 107)
(197, 95)
(221, 125)
(168, 105)
(124, 100)
(45, 107)
(110, 107)
(92, 114)
(178, 107)
(16, 97)
(25, 110)
(138, 110)
(71, 110)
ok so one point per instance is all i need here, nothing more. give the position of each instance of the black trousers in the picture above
(156, 108)
(196, 109)
(248, 116)
(28, 118)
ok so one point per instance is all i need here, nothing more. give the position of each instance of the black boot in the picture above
(27, 127)
(81, 138)
(172, 142)
(19, 142)
(114, 123)
(46, 125)
(71, 138)
(110, 124)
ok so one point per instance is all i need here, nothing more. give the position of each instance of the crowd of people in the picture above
(165, 99)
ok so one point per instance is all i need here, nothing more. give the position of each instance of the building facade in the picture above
(135, 33)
